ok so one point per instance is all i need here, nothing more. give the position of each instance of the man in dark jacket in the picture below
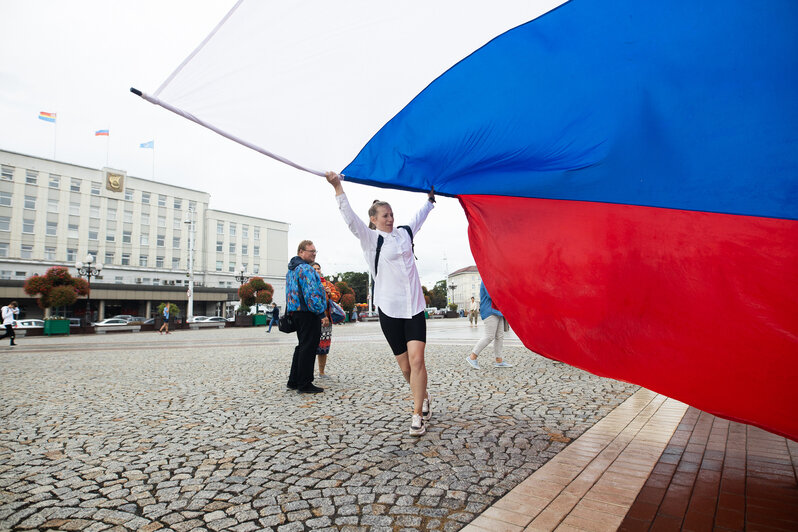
(306, 301)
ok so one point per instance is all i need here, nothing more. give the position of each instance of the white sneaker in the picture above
(417, 426)
(502, 365)
(426, 413)
(474, 363)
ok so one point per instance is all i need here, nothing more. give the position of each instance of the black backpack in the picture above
(380, 242)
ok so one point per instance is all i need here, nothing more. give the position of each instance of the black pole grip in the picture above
(135, 91)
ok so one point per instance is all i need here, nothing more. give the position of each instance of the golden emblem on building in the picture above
(114, 181)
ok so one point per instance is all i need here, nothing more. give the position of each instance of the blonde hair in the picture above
(302, 245)
(373, 211)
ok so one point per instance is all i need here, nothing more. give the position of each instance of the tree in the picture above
(359, 283)
(348, 302)
(256, 292)
(56, 288)
(438, 297)
(174, 310)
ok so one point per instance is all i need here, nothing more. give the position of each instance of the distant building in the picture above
(466, 282)
(54, 214)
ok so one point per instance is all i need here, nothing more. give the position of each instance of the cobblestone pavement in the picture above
(196, 431)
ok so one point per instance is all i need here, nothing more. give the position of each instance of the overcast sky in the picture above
(79, 59)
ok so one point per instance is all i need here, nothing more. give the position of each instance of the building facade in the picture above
(54, 214)
(466, 282)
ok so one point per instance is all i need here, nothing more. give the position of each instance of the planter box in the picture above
(452, 314)
(259, 319)
(56, 327)
(243, 320)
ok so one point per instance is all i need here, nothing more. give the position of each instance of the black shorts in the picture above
(399, 331)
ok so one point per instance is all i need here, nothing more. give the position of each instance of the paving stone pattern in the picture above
(203, 435)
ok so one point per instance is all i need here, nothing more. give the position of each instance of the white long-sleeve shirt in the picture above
(8, 315)
(397, 288)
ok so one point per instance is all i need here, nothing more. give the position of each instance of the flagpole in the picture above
(55, 136)
(107, 143)
(153, 160)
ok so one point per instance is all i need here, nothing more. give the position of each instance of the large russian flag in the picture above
(629, 169)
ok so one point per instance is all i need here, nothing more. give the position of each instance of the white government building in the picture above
(466, 282)
(54, 213)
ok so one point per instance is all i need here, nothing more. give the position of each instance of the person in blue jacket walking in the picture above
(495, 327)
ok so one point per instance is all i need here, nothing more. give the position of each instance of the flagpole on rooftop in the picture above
(55, 137)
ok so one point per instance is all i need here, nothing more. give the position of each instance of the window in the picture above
(128, 194)
(145, 239)
(31, 177)
(7, 173)
(55, 181)
(26, 251)
(94, 211)
(145, 198)
(127, 216)
(110, 237)
(110, 226)
(176, 242)
(256, 233)
(127, 237)
(52, 228)
(218, 265)
(231, 267)
(143, 260)
(161, 200)
(244, 249)
(156, 281)
(176, 223)
(74, 208)
(244, 231)
(125, 259)
(256, 251)
(5, 274)
(232, 229)
(5, 198)
(52, 205)
(74, 185)
(159, 262)
(192, 205)
(175, 263)
(5, 223)
(219, 246)
(219, 225)
(178, 203)
(256, 268)
(72, 231)
(30, 202)
(118, 279)
(111, 213)
(244, 266)
(162, 221)
(72, 255)
(95, 189)
(109, 257)
(232, 247)
(27, 226)
(3, 249)
(93, 234)
(145, 219)
(160, 241)
(20, 274)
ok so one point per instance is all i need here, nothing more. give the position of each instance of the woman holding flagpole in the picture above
(397, 290)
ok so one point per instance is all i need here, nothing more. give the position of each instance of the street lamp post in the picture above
(190, 291)
(88, 270)
(242, 278)
(452, 287)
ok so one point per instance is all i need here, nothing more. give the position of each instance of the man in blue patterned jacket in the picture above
(306, 301)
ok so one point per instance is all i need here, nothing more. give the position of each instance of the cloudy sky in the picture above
(79, 59)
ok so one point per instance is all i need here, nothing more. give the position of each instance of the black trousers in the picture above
(308, 332)
(10, 332)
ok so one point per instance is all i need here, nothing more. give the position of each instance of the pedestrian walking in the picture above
(326, 329)
(397, 290)
(8, 313)
(306, 301)
(275, 317)
(495, 326)
(473, 307)
(165, 320)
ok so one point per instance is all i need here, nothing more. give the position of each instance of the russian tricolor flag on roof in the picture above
(629, 169)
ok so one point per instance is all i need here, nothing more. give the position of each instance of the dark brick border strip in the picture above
(721, 475)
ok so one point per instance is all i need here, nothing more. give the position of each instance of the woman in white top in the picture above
(397, 290)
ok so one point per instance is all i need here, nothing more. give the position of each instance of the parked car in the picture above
(150, 321)
(29, 324)
(368, 316)
(206, 319)
(111, 321)
(128, 318)
(197, 318)
(74, 322)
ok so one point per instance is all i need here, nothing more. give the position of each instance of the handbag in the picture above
(286, 323)
(337, 313)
